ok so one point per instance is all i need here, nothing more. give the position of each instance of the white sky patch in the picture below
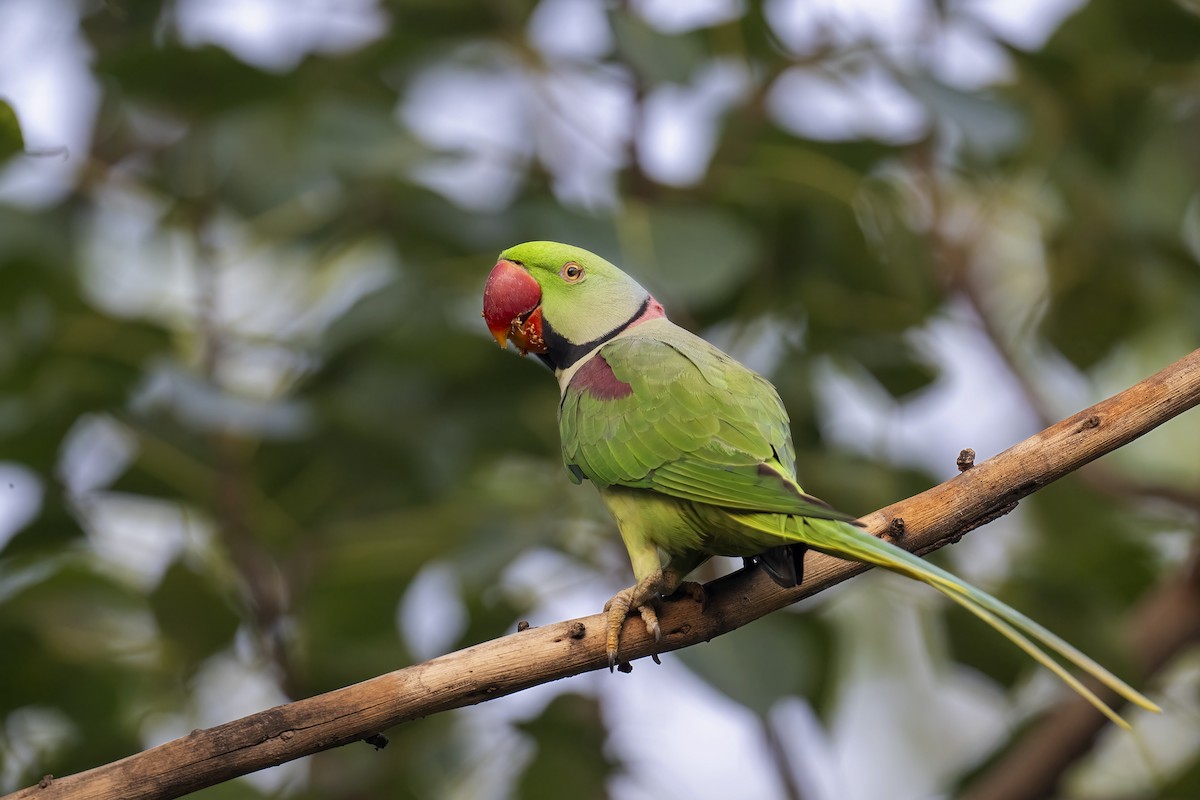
(1118, 767)
(201, 405)
(498, 752)
(315, 290)
(651, 713)
(95, 452)
(901, 725)
(555, 586)
(808, 25)
(865, 102)
(258, 370)
(908, 34)
(906, 30)
(679, 123)
(682, 738)
(20, 499)
(1189, 226)
(44, 75)
(32, 735)
(794, 720)
(135, 538)
(760, 344)
(1028, 24)
(571, 29)
(489, 117)
(929, 430)
(477, 118)
(965, 58)
(269, 300)
(431, 615)
(276, 34)
(584, 118)
(672, 16)
(230, 686)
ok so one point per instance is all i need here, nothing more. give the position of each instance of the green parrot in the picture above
(692, 452)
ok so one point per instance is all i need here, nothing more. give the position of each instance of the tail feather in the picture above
(1039, 655)
(845, 541)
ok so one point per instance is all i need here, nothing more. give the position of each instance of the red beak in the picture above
(512, 307)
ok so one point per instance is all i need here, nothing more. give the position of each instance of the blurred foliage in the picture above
(245, 397)
(569, 737)
(735, 663)
(11, 141)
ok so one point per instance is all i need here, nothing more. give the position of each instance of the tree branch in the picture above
(535, 656)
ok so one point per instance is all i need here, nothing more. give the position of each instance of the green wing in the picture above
(667, 411)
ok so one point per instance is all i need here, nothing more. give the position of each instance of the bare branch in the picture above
(535, 656)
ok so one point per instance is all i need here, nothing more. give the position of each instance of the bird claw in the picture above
(695, 591)
(650, 619)
(618, 608)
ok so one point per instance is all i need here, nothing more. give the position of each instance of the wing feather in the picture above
(693, 423)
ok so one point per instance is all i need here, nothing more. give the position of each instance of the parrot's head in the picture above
(560, 302)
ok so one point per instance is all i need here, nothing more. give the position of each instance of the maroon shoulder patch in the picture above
(597, 377)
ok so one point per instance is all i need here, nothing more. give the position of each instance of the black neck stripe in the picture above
(562, 354)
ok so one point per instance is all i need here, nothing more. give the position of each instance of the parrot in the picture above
(691, 451)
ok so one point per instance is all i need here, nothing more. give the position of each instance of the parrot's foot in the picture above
(650, 617)
(695, 591)
(642, 598)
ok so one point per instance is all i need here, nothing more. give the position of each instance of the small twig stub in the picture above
(376, 740)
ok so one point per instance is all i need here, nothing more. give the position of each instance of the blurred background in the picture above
(256, 443)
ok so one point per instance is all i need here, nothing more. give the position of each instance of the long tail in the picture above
(846, 541)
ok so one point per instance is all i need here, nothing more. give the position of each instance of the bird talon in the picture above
(695, 591)
(617, 609)
(644, 597)
(650, 619)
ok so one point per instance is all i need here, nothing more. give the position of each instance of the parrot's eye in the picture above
(571, 272)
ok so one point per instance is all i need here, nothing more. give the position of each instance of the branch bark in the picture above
(930, 520)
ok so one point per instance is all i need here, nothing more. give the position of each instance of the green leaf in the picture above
(82, 652)
(1091, 306)
(1184, 786)
(696, 256)
(657, 57)
(894, 363)
(11, 140)
(194, 618)
(990, 126)
(202, 82)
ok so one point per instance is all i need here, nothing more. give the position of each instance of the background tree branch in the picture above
(535, 656)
